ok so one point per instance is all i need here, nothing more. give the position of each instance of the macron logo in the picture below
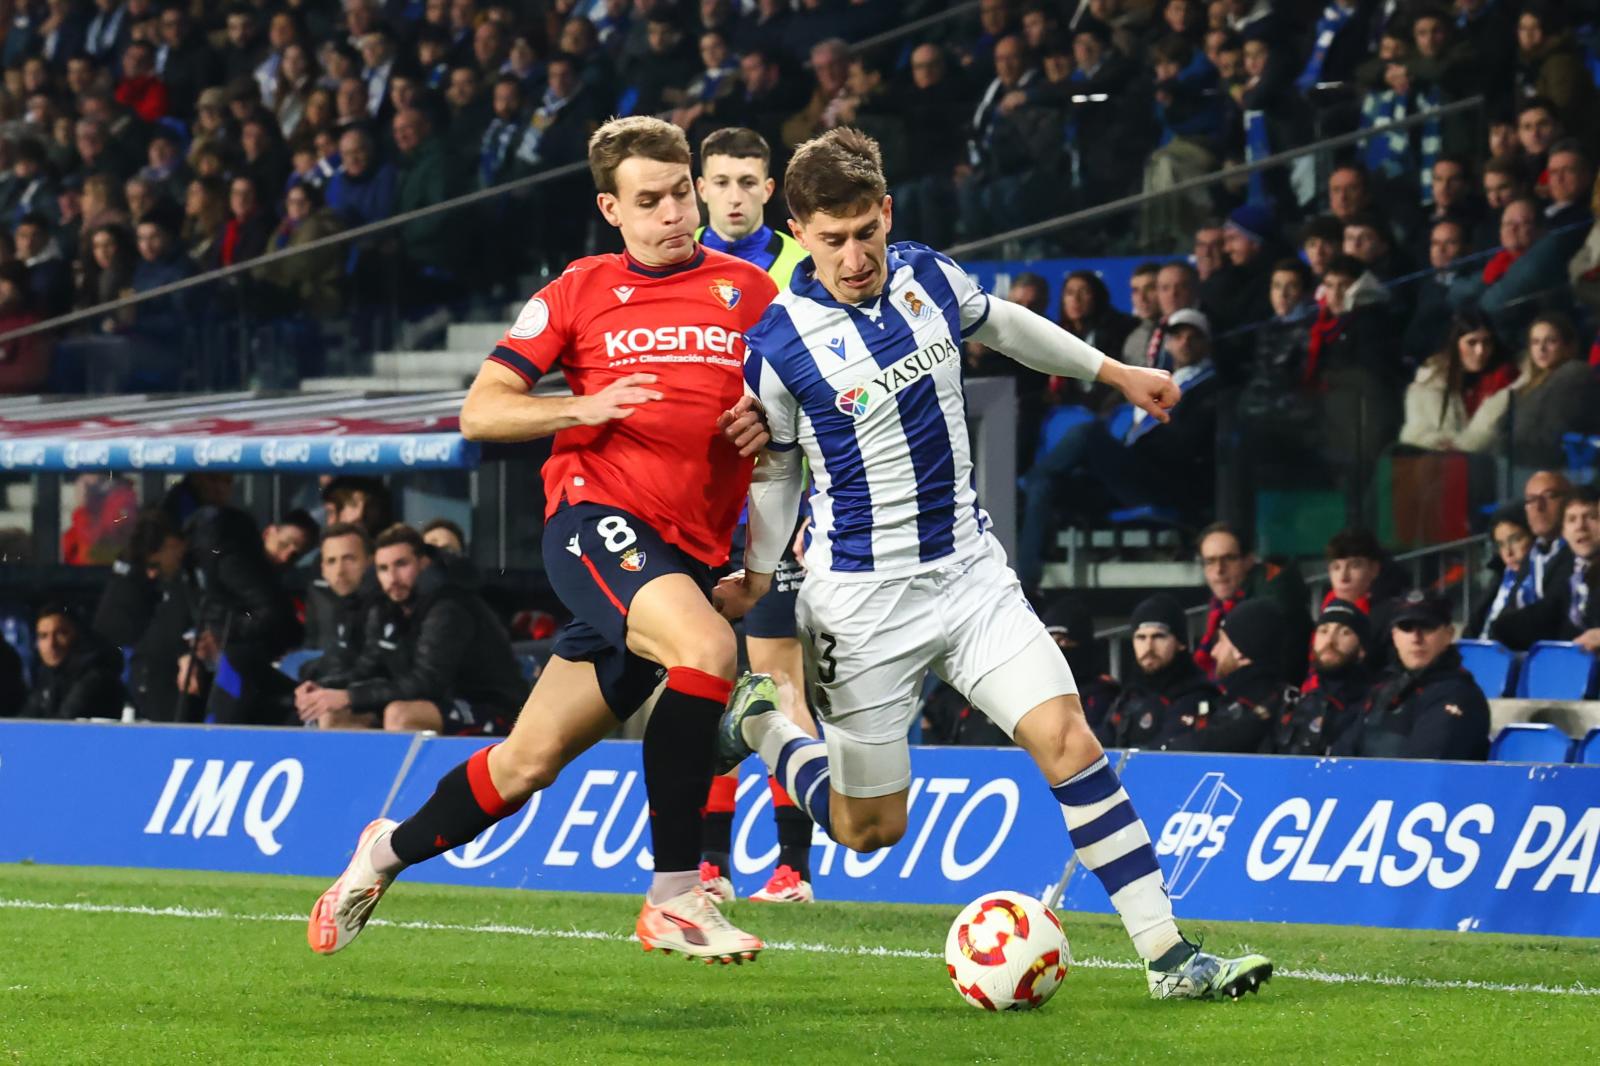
(623, 292)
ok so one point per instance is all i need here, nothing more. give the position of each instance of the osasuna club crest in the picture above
(726, 292)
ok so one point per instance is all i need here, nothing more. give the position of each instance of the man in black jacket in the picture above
(1250, 654)
(435, 656)
(78, 674)
(1339, 682)
(1426, 706)
(243, 616)
(337, 603)
(154, 554)
(1166, 685)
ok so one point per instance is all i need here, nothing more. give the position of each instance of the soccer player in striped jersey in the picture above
(735, 186)
(858, 367)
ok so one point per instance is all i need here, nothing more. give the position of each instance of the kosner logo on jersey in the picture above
(666, 339)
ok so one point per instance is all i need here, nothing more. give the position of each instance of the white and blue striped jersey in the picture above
(872, 394)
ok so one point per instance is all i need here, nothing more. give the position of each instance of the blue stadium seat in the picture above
(1530, 742)
(1492, 665)
(1121, 421)
(1583, 454)
(1557, 670)
(1146, 514)
(17, 631)
(1587, 750)
(1055, 426)
(291, 662)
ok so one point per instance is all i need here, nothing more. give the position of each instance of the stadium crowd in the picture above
(393, 634)
(142, 142)
(1434, 292)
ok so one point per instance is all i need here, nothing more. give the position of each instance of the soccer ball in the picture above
(1006, 951)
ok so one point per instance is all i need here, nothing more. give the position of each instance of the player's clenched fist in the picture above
(745, 426)
(1146, 388)
(616, 400)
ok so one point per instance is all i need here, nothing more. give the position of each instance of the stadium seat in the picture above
(1583, 454)
(291, 662)
(1121, 421)
(1530, 742)
(1146, 514)
(1587, 750)
(1492, 665)
(1056, 423)
(17, 631)
(1556, 670)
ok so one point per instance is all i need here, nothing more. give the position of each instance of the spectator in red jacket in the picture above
(141, 88)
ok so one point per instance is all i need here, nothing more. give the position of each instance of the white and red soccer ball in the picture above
(1006, 951)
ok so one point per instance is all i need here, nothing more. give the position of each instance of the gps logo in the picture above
(1198, 831)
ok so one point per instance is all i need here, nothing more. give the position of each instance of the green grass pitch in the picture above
(135, 966)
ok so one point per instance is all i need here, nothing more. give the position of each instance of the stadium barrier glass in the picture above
(1458, 846)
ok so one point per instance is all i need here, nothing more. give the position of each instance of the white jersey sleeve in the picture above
(971, 300)
(782, 409)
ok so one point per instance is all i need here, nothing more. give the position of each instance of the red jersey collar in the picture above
(637, 267)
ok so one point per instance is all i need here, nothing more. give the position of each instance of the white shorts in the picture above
(869, 645)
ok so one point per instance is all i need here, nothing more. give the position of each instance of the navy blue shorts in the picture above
(772, 618)
(598, 557)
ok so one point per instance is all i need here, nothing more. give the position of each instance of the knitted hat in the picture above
(1254, 221)
(1162, 612)
(1348, 615)
(1256, 628)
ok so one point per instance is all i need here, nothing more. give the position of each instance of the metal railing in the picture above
(387, 225)
(1206, 181)
(1471, 548)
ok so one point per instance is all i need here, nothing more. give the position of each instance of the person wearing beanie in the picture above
(1339, 681)
(1070, 624)
(1250, 658)
(1238, 293)
(1164, 685)
(1426, 706)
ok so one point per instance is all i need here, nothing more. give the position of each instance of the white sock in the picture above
(663, 886)
(767, 733)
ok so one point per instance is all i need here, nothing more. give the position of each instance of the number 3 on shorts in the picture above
(822, 645)
(615, 531)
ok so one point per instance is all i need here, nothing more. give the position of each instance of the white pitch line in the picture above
(862, 950)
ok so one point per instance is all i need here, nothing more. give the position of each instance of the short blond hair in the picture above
(625, 138)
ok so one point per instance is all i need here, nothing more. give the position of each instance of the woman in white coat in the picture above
(1458, 398)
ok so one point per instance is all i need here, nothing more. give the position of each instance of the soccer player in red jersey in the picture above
(643, 492)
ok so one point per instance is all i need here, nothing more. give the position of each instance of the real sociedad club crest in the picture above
(916, 306)
(726, 292)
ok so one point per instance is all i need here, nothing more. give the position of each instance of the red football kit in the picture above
(609, 316)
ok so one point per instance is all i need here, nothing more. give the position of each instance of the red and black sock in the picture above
(716, 822)
(464, 804)
(679, 750)
(794, 831)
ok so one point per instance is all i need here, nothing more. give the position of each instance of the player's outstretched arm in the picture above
(1037, 343)
(499, 408)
